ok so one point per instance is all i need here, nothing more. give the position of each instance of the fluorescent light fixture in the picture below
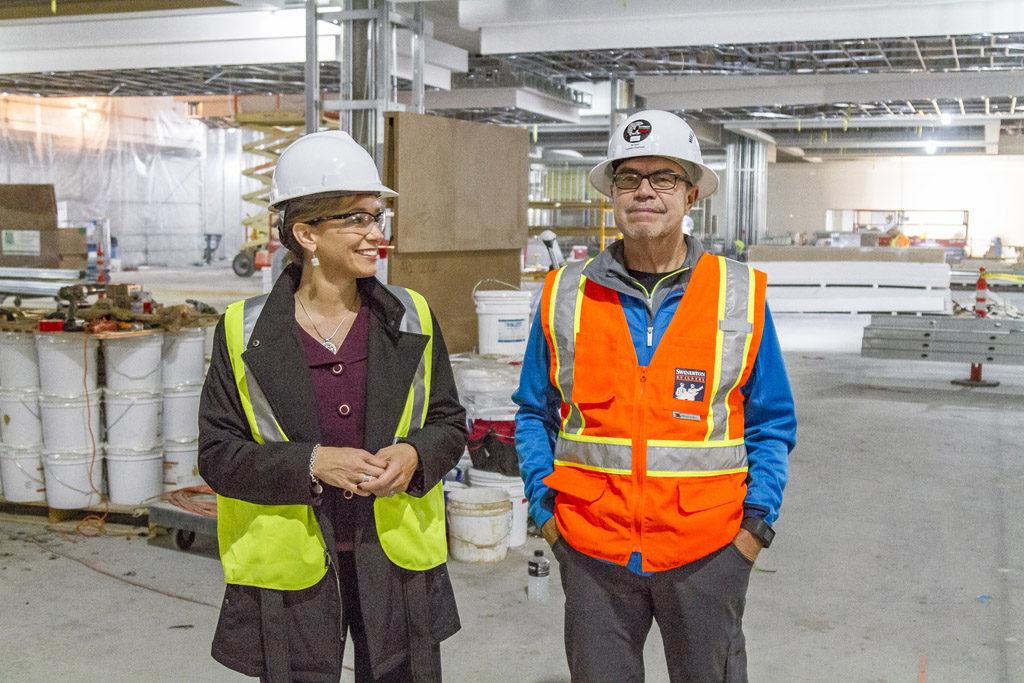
(945, 119)
(930, 147)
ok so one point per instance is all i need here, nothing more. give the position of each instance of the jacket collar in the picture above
(608, 269)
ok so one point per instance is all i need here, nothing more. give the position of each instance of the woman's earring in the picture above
(314, 261)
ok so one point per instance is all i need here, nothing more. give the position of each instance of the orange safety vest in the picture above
(652, 459)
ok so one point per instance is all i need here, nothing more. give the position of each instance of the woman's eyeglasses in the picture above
(355, 221)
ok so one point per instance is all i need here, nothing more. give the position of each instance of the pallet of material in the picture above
(40, 513)
(857, 286)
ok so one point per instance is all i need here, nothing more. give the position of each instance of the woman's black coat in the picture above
(401, 609)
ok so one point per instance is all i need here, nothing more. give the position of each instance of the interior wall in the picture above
(989, 187)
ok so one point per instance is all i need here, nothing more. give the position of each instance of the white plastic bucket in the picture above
(67, 363)
(184, 353)
(21, 469)
(181, 413)
(67, 422)
(19, 417)
(516, 493)
(181, 464)
(19, 361)
(134, 477)
(132, 419)
(133, 363)
(68, 484)
(208, 333)
(478, 524)
(503, 318)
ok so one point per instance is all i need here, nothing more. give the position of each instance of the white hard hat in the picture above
(655, 133)
(328, 161)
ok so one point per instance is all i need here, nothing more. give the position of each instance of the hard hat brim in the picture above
(378, 189)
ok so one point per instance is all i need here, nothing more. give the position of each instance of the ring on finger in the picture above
(366, 478)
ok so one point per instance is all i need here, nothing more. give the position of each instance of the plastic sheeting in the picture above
(163, 180)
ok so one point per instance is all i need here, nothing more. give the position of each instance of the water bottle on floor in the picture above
(539, 568)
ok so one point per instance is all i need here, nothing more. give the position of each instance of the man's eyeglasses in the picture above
(356, 221)
(659, 180)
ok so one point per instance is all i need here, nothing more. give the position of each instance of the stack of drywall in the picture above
(854, 280)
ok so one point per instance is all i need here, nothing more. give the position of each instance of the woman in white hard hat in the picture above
(328, 419)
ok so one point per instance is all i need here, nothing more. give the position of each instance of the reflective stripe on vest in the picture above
(267, 546)
(647, 457)
(412, 530)
(282, 546)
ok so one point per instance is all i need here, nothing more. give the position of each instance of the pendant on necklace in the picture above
(329, 346)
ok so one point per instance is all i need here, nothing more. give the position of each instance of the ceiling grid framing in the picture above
(974, 56)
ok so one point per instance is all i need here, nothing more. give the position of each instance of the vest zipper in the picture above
(640, 476)
(650, 335)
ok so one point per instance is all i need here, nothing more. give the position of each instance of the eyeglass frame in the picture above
(378, 219)
(647, 176)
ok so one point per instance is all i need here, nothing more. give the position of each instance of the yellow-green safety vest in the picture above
(281, 546)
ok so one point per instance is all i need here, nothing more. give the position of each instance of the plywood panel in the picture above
(463, 186)
(447, 279)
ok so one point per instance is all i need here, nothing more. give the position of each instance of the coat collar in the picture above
(276, 358)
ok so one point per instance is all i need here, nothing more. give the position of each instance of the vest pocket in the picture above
(705, 493)
(577, 483)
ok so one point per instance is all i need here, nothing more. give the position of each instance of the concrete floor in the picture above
(899, 555)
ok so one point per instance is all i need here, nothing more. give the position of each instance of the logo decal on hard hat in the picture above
(691, 137)
(637, 130)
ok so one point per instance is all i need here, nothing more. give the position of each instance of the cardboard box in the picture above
(28, 227)
(73, 262)
(71, 242)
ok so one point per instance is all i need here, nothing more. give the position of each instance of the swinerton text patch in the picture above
(690, 384)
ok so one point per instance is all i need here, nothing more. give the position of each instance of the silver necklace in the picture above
(326, 343)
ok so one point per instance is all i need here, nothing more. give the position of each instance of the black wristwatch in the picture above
(760, 529)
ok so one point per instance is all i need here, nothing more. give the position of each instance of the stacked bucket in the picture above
(69, 411)
(184, 368)
(485, 389)
(21, 434)
(133, 404)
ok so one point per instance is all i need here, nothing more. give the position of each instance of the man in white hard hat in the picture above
(655, 423)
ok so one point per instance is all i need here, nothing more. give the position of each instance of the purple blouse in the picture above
(339, 383)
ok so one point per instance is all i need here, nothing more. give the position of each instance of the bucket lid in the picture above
(186, 388)
(8, 335)
(17, 392)
(149, 339)
(57, 399)
(9, 450)
(66, 338)
(507, 294)
(133, 396)
(181, 444)
(479, 495)
(69, 455)
(129, 454)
